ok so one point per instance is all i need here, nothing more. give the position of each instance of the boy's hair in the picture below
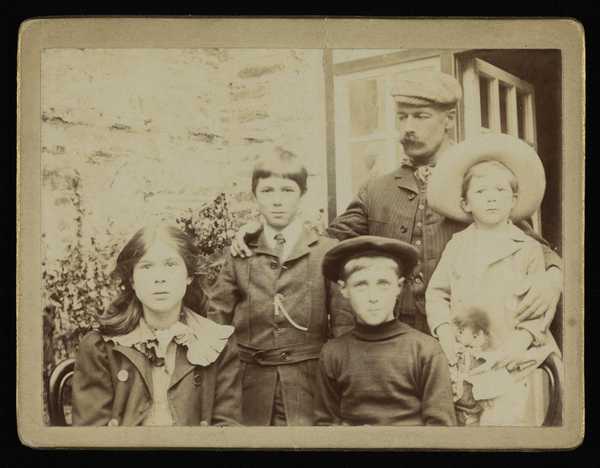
(280, 164)
(479, 168)
(474, 319)
(365, 261)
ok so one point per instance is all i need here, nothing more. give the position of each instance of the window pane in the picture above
(365, 109)
(368, 160)
(484, 93)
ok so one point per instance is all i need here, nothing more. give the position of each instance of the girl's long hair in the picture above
(125, 312)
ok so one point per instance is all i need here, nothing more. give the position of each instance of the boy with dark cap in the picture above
(383, 372)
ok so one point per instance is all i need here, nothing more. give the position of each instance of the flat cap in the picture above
(368, 246)
(426, 87)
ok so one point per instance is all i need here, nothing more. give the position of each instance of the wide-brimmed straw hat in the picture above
(445, 183)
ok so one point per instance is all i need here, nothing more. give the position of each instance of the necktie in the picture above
(279, 245)
(422, 173)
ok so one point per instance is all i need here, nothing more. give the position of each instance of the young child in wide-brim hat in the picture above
(490, 180)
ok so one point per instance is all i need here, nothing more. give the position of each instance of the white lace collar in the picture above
(203, 338)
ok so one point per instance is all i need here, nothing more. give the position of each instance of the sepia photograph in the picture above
(364, 244)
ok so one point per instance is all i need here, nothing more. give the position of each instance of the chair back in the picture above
(59, 393)
(553, 368)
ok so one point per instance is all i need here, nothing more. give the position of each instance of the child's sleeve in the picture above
(437, 296)
(341, 316)
(228, 388)
(224, 295)
(327, 397)
(538, 327)
(92, 383)
(550, 257)
(437, 406)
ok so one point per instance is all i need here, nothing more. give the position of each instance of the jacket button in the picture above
(284, 356)
(113, 422)
(204, 423)
(403, 229)
(123, 375)
(274, 265)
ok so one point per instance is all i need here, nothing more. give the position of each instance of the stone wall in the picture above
(150, 133)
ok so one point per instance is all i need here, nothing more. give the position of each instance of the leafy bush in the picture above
(79, 287)
(212, 228)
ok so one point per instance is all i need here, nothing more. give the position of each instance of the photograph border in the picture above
(326, 33)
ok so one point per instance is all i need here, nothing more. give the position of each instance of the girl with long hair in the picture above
(155, 359)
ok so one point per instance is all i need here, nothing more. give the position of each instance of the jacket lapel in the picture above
(307, 238)
(302, 247)
(503, 248)
(405, 179)
(139, 361)
(182, 366)
(260, 245)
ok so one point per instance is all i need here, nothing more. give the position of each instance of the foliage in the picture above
(212, 228)
(75, 289)
(79, 286)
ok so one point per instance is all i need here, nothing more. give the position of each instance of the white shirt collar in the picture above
(291, 233)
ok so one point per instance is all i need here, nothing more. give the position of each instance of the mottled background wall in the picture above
(151, 133)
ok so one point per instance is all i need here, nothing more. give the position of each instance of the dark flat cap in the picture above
(368, 246)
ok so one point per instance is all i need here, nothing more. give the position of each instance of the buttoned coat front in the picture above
(243, 296)
(466, 279)
(395, 205)
(388, 206)
(112, 386)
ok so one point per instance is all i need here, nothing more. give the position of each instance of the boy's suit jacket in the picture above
(243, 296)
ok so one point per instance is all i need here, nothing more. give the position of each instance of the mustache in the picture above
(410, 142)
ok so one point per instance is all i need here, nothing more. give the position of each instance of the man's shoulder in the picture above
(383, 181)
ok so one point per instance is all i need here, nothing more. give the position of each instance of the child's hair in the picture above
(280, 164)
(365, 261)
(126, 310)
(474, 319)
(478, 170)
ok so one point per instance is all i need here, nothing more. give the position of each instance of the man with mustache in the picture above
(395, 205)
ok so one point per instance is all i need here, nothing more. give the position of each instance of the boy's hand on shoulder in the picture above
(540, 294)
(238, 247)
